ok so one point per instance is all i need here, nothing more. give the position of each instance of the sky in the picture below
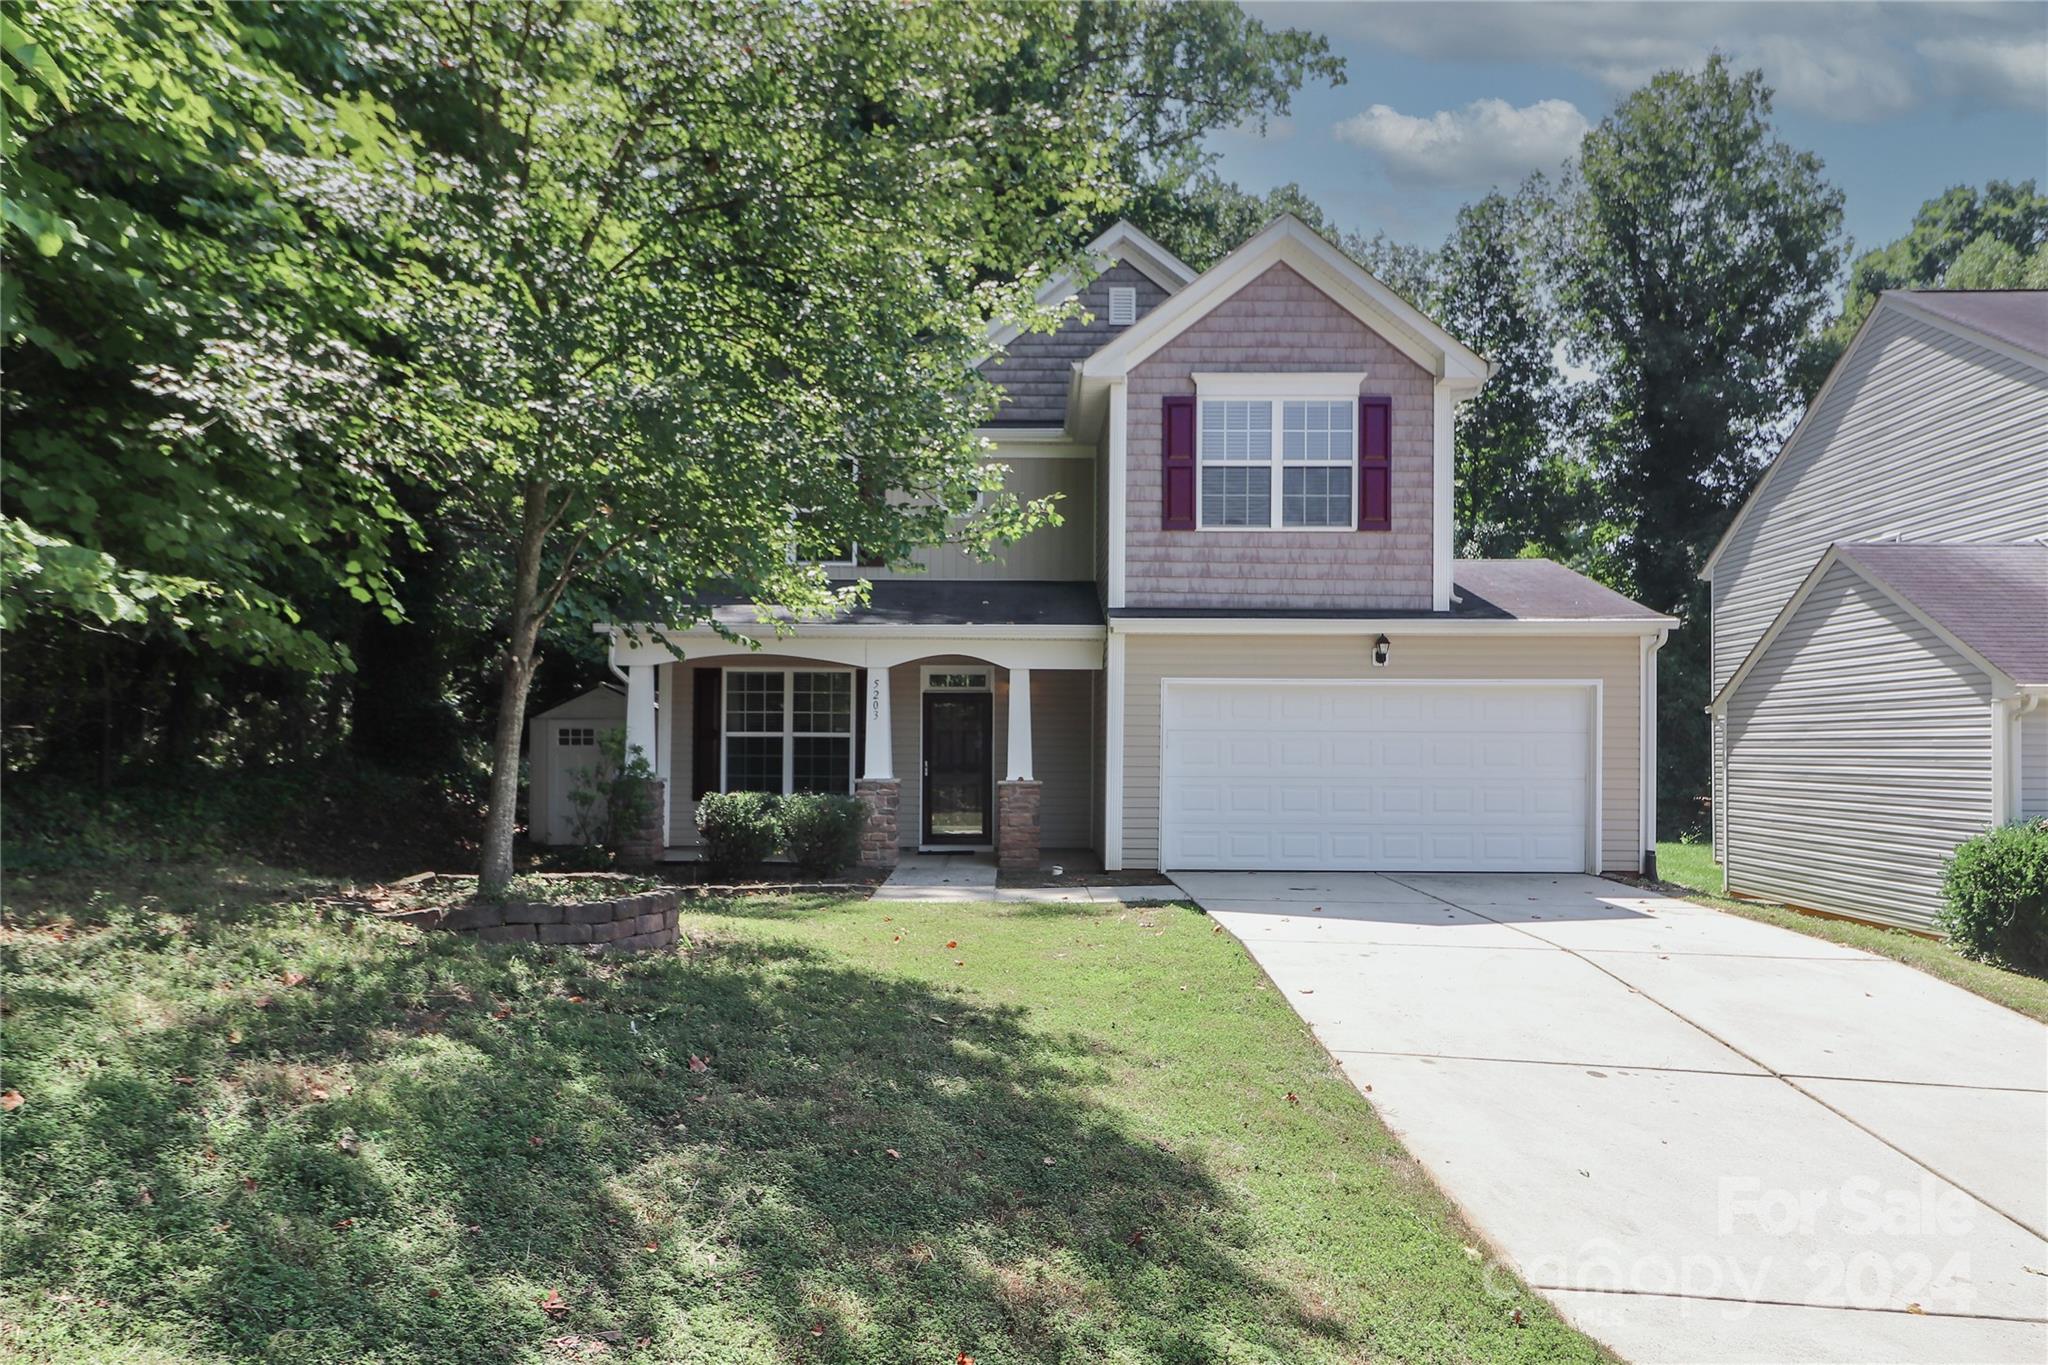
(1442, 101)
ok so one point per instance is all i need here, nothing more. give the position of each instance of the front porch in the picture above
(962, 736)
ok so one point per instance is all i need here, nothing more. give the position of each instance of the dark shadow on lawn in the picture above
(866, 1167)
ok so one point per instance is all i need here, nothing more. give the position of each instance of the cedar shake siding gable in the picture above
(1035, 369)
(1279, 322)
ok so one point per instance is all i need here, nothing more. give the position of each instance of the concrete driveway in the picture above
(1703, 1138)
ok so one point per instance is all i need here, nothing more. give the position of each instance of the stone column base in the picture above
(647, 843)
(883, 796)
(1017, 824)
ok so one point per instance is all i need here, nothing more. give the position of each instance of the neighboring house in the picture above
(1247, 647)
(1880, 615)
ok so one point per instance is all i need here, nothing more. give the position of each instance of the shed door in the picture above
(1369, 777)
(571, 748)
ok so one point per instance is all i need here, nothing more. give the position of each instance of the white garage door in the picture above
(1363, 777)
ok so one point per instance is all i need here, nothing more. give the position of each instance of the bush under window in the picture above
(738, 829)
(821, 832)
(1996, 888)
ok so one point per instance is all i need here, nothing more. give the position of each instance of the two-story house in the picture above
(1880, 615)
(1248, 646)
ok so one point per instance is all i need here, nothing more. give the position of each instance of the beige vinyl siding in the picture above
(1859, 756)
(2034, 763)
(679, 691)
(1613, 661)
(1921, 436)
(1063, 756)
(1278, 323)
(1063, 553)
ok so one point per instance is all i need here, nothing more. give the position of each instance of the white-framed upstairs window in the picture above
(1278, 463)
(787, 730)
(1280, 453)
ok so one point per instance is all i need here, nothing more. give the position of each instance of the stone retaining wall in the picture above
(625, 923)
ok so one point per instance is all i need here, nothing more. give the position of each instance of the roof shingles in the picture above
(1993, 598)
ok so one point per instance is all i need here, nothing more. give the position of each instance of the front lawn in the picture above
(250, 1127)
(1692, 869)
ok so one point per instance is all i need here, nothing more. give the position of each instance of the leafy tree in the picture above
(697, 288)
(1694, 254)
(1965, 238)
(1523, 487)
(190, 324)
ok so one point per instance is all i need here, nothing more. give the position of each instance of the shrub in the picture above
(1996, 887)
(739, 829)
(821, 833)
(612, 797)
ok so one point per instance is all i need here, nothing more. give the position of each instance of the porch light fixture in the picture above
(1380, 649)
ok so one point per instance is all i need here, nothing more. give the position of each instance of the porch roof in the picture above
(944, 602)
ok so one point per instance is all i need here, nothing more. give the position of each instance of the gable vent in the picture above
(1123, 305)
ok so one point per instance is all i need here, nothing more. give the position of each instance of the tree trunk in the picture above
(521, 639)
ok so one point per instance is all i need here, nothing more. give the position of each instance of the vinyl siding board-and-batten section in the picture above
(1859, 756)
(1280, 323)
(1614, 661)
(1063, 553)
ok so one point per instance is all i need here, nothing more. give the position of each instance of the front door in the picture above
(959, 775)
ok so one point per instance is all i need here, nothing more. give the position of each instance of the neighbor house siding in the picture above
(2034, 763)
(1923, 436)
(1859, 756)
(1035, 369)
(1615, 662)
(1063, 553)
(1278, 323)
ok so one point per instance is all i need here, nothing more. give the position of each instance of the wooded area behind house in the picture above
(360, 356)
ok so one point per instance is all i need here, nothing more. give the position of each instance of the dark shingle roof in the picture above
(2018, 316)
(1483, 590)
(1994, 598)
(952, 602)
(1540, 589)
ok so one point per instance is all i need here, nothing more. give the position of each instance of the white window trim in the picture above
(931, 671)
(789, 734)
(1303, 384)
(1276, 463)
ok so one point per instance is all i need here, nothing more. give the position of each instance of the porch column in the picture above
(879, 762)
(1017, 841)
(640, 711)
(1020, 726)
(877, 787)
(645, 845)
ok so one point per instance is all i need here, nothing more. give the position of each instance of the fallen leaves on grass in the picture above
(554, 1305)
(292, 978)
(1292, 1098)
(698, 1063)
(11, 1101)
(952, 943)
(892, 1154)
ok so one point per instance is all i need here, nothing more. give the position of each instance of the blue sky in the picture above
(1443, 100)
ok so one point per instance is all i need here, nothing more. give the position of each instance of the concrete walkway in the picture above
(972, 877)
(1703, 1138)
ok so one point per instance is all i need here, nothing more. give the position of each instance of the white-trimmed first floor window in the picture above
(1276, 464)
(788, 730)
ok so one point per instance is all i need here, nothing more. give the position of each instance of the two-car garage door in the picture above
(1369, 776)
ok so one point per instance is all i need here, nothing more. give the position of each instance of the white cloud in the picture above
(1485, 143)
(1847, 62)
(2010, 71)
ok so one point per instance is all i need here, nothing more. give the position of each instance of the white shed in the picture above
(559, 741)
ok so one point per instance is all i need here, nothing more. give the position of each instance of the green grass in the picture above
(1692, 868)
(252, 1130)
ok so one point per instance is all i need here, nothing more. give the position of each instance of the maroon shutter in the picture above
(1178, 471)
(1375, 464)
(704, 732)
